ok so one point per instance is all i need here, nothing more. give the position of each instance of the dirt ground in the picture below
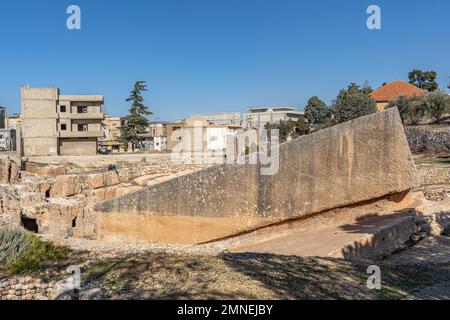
(420, 272)
(260, 276)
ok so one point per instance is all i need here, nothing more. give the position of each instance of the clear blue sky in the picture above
(202, 56)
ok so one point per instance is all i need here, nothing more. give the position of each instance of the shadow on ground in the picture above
(254, 276)
(385, 234)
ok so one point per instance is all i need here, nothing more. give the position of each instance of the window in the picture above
(82, 109)
(63, 127)
(82, 127)
(62, 109)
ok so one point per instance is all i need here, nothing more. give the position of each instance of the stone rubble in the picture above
(434, 182)
(60, 197)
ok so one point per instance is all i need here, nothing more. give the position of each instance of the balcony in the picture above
(80, 134)
(81, 116)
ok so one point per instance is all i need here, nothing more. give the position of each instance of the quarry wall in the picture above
(57, 199)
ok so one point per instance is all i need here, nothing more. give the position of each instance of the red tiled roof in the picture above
(394, 90)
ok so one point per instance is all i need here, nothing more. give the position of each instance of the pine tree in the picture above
(135, 122)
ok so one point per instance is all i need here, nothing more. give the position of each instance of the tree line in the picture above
(355, 101)
(351, 103)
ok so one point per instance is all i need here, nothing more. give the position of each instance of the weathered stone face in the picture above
(361, 160)
(9, 171)
(66, 186)
(57, 217)
(59, 203)
(111, 178)
(44, 170)
(95, 180)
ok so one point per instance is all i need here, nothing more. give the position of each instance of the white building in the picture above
(216, 137)
(160, 144)
(257, 118)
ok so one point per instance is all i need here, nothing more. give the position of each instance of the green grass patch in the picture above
(439, 161)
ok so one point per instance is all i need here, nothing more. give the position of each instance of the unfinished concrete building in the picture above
(55, 124)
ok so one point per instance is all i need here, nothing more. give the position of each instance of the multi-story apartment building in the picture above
(163, 136)
(257, 118)
(54, 124)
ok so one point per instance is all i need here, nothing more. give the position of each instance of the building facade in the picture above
(112, 129)
(257, 118)
(54, 124)
(201, 133)
(156, 138)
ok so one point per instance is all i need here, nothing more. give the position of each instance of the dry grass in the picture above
(254, 276)
(242, 276)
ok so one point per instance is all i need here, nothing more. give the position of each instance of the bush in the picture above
(415, 110)
(410, 108)
(13, 242)
(25, 252)
(436, 105)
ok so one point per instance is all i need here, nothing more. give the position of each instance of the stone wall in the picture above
(427, 140)
(435, 182)
(44, 170)
(9, 171)
(360, 160)
(61, 203)
(433, 175)
(25, 288)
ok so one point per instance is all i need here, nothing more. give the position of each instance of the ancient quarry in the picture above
(344, 194)
(57, 199)
(152, 200)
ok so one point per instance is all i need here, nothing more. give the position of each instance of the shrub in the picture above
(410, 108)
(13, 242)
(415, 110)
(436, 104)
(25, 252)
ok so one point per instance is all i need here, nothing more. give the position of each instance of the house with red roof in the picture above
(393, 91)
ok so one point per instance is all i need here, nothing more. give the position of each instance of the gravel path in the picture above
(113, 249)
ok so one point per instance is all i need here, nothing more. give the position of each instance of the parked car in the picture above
(104, 151)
